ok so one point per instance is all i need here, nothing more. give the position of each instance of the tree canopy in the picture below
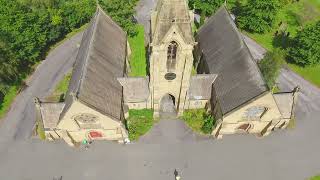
(206, 7)
(258, 15)
(121, 11)
(29, 27)
(305, 48)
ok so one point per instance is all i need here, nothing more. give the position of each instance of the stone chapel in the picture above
(213, 69)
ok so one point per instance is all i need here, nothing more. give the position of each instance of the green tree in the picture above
(29, 27)
(258, 15)
(205, 7)
(305, 49)
(121, 11)
(270, 66)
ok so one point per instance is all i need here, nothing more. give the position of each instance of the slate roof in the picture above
(172, 12)
(50, 114)
(201, 86)
(285, 103)
(225, 53)
(100, 61)
(135, 89)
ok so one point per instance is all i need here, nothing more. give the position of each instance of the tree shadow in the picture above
(281, 40)
(237, 8)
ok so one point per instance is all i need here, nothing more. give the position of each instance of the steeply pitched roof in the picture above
(50, 114)
(135, 89)
(200, 86)
(172, 12)
(225, 53)
(100, 61)
(285, 103)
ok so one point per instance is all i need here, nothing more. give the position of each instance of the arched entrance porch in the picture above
(168, 106)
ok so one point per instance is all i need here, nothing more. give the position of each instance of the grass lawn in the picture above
(7, 100)
(315, 178)
(195, 119)
(138, 59)
(293, 17)
(139, 122)
(61, 89)
(40, 131)
(310, 73)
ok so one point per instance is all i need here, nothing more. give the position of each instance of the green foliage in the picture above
(40, 131)
(315, 178)
(208, 124)
(310, 73)
(61, 89)
(139, 122)
(63, 85)
(199, 120)
(10, 94)
(122, 12)
(28, 28)
(305, 48)
(205, 7)
(270, 66)
(138, 62)
(258, 15)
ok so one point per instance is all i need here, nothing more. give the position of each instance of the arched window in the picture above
(171, 56)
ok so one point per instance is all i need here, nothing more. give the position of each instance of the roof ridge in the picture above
(84, 69)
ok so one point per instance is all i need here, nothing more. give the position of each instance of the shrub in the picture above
(270, 66)
(208, 124)
(199, 120)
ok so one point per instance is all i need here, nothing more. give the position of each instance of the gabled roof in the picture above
(225, 53)
(201, 86)
(172, 12)
(50, 114)
(285, 102)
(135, 89)
(100, 61)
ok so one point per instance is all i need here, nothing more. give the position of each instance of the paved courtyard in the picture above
(284, 155)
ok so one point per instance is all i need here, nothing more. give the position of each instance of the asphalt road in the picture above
(20, 119)
(284, 155)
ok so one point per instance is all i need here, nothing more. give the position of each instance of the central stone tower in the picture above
(171, 58)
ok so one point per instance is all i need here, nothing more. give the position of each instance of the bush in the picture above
(208, 124)
(305, 49)
(270, 66)
(139, 122)
(199, 120)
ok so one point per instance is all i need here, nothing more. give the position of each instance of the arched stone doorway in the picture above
(168, 106)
